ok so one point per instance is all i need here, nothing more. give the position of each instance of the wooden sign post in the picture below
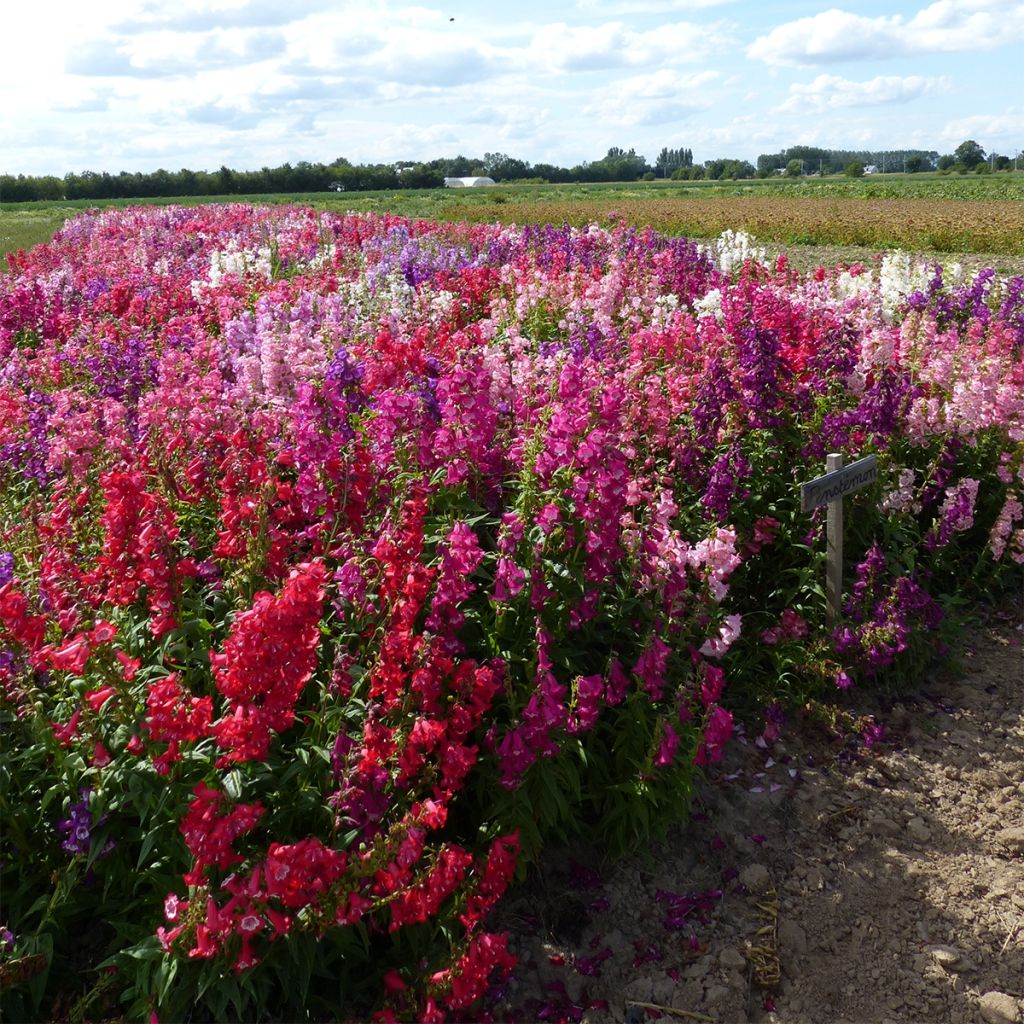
(829, 490)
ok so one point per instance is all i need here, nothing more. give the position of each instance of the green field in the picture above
(929, 212)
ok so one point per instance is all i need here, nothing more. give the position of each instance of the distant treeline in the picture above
(968, 156)
(343, 176)
(835, 161)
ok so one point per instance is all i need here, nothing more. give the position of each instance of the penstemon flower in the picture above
(956, 513)
(1003, 530)
(343, 557)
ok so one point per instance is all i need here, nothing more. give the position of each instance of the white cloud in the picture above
(829, 92)
(508, 119)
(203, 16)
(87, 102)
(830, 36)
(609, 8)
(947, 26)
(224, 116)
(417, 50)
(99, 58)
(746, 134)
(1004, 132)
(248, 82)
(657, 98)
(560, 47)
(284, 90)
(164, 53)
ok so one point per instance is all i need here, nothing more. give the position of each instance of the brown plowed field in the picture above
(912, 224)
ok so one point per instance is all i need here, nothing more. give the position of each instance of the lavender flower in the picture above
(77, 826)
(763, 375)
(711, 399)
(884, 614)
(95, 288)
(956, 515)
(427, 389)
(30, 454)
(1011, 312)
(344, 379)
(724, 483)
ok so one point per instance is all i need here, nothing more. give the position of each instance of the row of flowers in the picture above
(344, 561)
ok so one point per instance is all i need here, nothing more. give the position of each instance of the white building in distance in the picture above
(467, 182)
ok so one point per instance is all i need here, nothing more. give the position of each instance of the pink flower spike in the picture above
(393, 981)
(669, 745)
(97, 698)
(66, 733)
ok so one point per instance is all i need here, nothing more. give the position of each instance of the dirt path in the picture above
(822, 880)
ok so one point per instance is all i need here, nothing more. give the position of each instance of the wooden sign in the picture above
(839, 482)
(829, 490)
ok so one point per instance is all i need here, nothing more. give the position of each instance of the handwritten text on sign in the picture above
(832, 486)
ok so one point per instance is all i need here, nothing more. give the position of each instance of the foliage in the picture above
(347, 560)
(617, 165)
(834, 161)
(970, 154)
(670, 160)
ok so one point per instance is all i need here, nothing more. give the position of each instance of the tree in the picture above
(970, 154)
(726, 168)
(618, 165)
(692, 173)
(454, 167)
(420, 176)
(502, 167)
(794, 168)
(669, 160)
(854, 169)
(551, 172)
(945, 163)
(17, 190)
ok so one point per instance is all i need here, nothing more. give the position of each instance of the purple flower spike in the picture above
(77, 826)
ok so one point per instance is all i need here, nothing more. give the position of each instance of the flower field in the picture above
(345, 561)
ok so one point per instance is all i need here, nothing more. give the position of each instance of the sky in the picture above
(141, 84)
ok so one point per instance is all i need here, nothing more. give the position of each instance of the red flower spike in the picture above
(97, 698)
(267, 659)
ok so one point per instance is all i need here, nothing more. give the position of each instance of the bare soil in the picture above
(821, 878)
